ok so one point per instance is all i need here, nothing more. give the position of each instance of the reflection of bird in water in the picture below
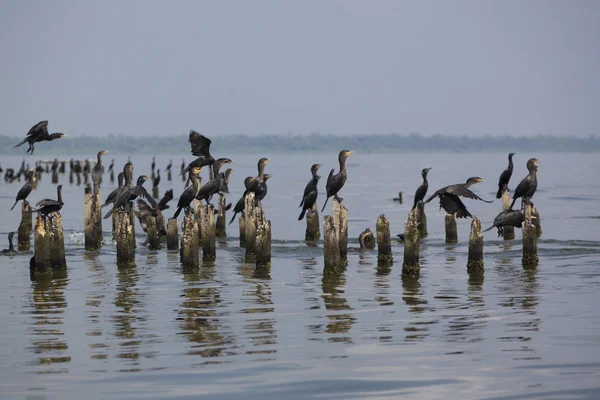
(422, 190)
(97, 172)
(508, 218)
(527, 187)
(39, 133)
(335, 182)
(11, 248)
(450, 201)
(505, 177)
(26, 189)
(311, 191)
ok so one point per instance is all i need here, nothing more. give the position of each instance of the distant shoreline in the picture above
(315, 143)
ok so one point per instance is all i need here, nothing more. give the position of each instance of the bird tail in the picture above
(302, 202)
(489, 229)
(108, 214)
(301, 217)
(326, 200)
(14, 205)
(512, 204)
(20, 144)
(501, 190)
(177, 212)
(430, 198)
(232, 218)
(463, 213)
(228, 207)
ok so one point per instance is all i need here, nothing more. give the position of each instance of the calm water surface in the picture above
(230, 330)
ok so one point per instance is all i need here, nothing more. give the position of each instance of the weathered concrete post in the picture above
(190, 253)
(410, 266)
(384, 241)
(61, 168)
(208, 233)
(49, 244)
(530, 256)
(366, 239)
(250, 225)
(55, 176)
(475, 257)
(312, 224)
(152, 230)
(340, 221)
(169, 176)
(124, 237)
(57, 241)
(132, 222)
(263, 239)
(422, 219)
(509, 231)
(172, 234)
(535, 220)
(155, 192)
(41, 238)
(242, 223)
(198, 218)
(331, 245)
(24, 233)
(221, 230)
(92, 220)
(451, 230)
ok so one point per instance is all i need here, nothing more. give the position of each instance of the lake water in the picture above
(229, 330)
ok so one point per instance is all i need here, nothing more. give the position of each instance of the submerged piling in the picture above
(220, 229)
(263, 239)
(125, 238)
(208, 233)
(422, 219)
(451, 230)
(312, 224)
(475, 257)
(250, 227)
(172, 234)
(530, 257)
(410, 265)
(384, 241)
(24, 232)
(92, 220)
(190, 253)
(509, 231)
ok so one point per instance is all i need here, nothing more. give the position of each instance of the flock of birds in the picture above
(124, 196)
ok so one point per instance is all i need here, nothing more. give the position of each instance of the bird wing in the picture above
(330, 178)
(460, 190)
(162, 204)
(144, 193)
(433, 196)
(200, 144)
(144, 208)
(38, 128)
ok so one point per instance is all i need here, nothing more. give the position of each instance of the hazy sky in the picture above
(153, 67)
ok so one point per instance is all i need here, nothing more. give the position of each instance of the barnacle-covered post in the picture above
(312, 224)
(172, 234)
(125, 238)
(190, 252)
(451, 230)
(530, 257)
(335, 238)
(475, 257)
(422, 219)
(384, 241)
(221, 230)
(263, 239)
(410, 266)
(92, 220)
(24, 232)
(508, 231)
(207, 213)
(250, 226)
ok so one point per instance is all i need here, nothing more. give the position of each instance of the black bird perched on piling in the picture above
(527, 187)
(190, 193)
(97, 172)
(11, 248)
(113, 195)
(130, 194)
(311, 191)
(217, 185)
(39, 133)
(253, 184)
(335, 182)
(111, 166)
(239, 206)
(505, 177)
(26, 189)
(200, 148)
(48, 206)
(162, 204)
(156, 180)
(513, 218)
(450, 201)
(169, 166)
(145, 210)
(153, 165)
(422, 190)
(261, 193)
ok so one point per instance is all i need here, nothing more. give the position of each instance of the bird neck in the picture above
(261, 170)
(11, 247)
(342, 165)
(510, 163)
(59, 192)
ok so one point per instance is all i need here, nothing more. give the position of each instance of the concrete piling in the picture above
(340, 221)
(530, 257)
(475, 257)
(384, 241)
(422, 219)
(172, 234)
(263, 239)
(535, 220)
(451, 230)
(208, 233)
(24, 232)
(125, 238)
(410, 265)
(250, 226)
(152, 230)
(190, 253)
(312, 224)
(55, 176)
(509, 231)
(335, 237)
(220, 229)
(92, 219)
(242, 224)
(366, 240)
(49, 244)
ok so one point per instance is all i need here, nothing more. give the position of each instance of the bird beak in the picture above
(145, 177)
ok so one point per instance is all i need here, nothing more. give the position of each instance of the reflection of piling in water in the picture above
(24, 232)
(508, 231)
(530, 257)
(49, 243)
(335, 237)
(242, 224)
(384, 241)
(422, 219)
(92, 221)
(410, 265)
(207, 221)
(475, 257)
(221, 230)
(125, 238)
(172, 234)
(263, 239)
(190, 253)
(312, 224)
(451, 230)
(250, 227)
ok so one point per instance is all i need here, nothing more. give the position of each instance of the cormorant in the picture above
(48, 206)
(162, 204)
(311, 191)
(144, 210)
(527, 187)
(261, 193)
(169, 166)
(422, 190)
(366, 239)
(189, 194)
(253, 184)
(153, 165)
(217, 185)
(97, 172)
(11, 248)
(508, 218)
(26, 189)
(156, 180)
(335, 182)
(130, 194)
(111, 166)
(239, 206)
(39, 133)
(113, 195)
(200, 148)
(450, 201)
(505, 177)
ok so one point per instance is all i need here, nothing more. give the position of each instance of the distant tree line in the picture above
(316, 142)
